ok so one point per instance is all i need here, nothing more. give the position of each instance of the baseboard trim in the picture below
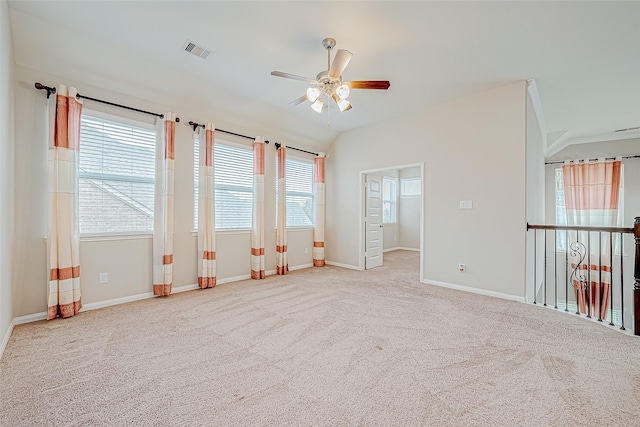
(5, 340)
(300, 267)
(339, 264)
(473, 290)
(401, 248)
(35, 317)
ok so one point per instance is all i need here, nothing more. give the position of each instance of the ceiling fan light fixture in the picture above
(313, 93)
(343, 91)
(343, 104)
(317, 105)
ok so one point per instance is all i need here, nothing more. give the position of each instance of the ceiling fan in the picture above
(329, 84)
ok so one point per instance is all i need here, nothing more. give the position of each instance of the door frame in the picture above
(363, 195)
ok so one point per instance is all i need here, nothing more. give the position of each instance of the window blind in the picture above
(299, 175)
(233, 171)
(116, 176)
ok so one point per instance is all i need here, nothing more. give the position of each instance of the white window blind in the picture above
(234, 186)
(389, 199)
(410, 187)
(299, 176)
(116, 176)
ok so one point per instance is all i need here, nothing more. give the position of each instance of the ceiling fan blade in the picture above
(339, 63)
(298, 101)
(369, 84)
(293, 76)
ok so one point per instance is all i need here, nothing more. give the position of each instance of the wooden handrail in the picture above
(629, 230)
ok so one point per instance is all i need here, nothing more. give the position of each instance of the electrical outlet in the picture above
(462, 268)
(466, 204)
(306, 251)
(395, 238)
(104, 278)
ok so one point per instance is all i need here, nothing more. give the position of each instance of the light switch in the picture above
(466, 204)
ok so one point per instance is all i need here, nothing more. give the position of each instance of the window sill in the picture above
(226, 232)
(115, 236)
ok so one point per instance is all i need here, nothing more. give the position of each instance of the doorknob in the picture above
(381, 225)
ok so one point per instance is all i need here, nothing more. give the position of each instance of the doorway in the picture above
(391, 213)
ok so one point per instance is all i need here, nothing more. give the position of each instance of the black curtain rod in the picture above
(195, 126)
(593, 160)
(51, 90)
(278, 145)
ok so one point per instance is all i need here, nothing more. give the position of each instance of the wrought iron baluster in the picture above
(555, 268)
(621, 286)
(599, 285)
(588, 274)
(578, 279)
(544, 242)
(566, 270)
(611, 279)
(535, 264)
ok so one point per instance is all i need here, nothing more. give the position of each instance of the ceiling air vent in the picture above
(197, 49)
(627, 129)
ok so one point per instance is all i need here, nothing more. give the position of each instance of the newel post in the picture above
(636, 276)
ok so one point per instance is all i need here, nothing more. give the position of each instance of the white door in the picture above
(373, 223)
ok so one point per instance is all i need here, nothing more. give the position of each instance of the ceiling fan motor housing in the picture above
(326, 83)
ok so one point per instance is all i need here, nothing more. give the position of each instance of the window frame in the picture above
(410, 196)
(393, 200)
(310, 162)
(196, 179)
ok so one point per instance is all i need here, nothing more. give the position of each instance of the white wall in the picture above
(535, 192)
(473, 148)
(7, 147)
(409, 215)
(128, 262)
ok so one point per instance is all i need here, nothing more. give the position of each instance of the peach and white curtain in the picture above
(257, 223)
(206, 210)
(591, 191)
(282, 264)
(163, 212)
(64, 230)
(319, 210)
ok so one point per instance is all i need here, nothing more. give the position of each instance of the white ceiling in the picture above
(584, 56)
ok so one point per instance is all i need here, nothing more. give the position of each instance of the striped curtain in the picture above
(163, 212)
(64, 229)
(282, 264)
(318, 203)
(257, 225)
(206, 211)
(592, 192)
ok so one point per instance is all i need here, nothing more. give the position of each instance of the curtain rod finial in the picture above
(49, 90)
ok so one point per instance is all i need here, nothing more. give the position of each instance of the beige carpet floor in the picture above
(322, 346)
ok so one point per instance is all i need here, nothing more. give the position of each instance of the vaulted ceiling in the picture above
(584, 56)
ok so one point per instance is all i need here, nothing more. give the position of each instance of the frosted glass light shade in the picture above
(343, 91)
(313, 93)
(343, 104)
(317, 105)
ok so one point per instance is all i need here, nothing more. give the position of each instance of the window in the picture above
(299, 175)
(116, 175)
(233, 167)
(389, 196)
(561, 212)
(410, 187)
